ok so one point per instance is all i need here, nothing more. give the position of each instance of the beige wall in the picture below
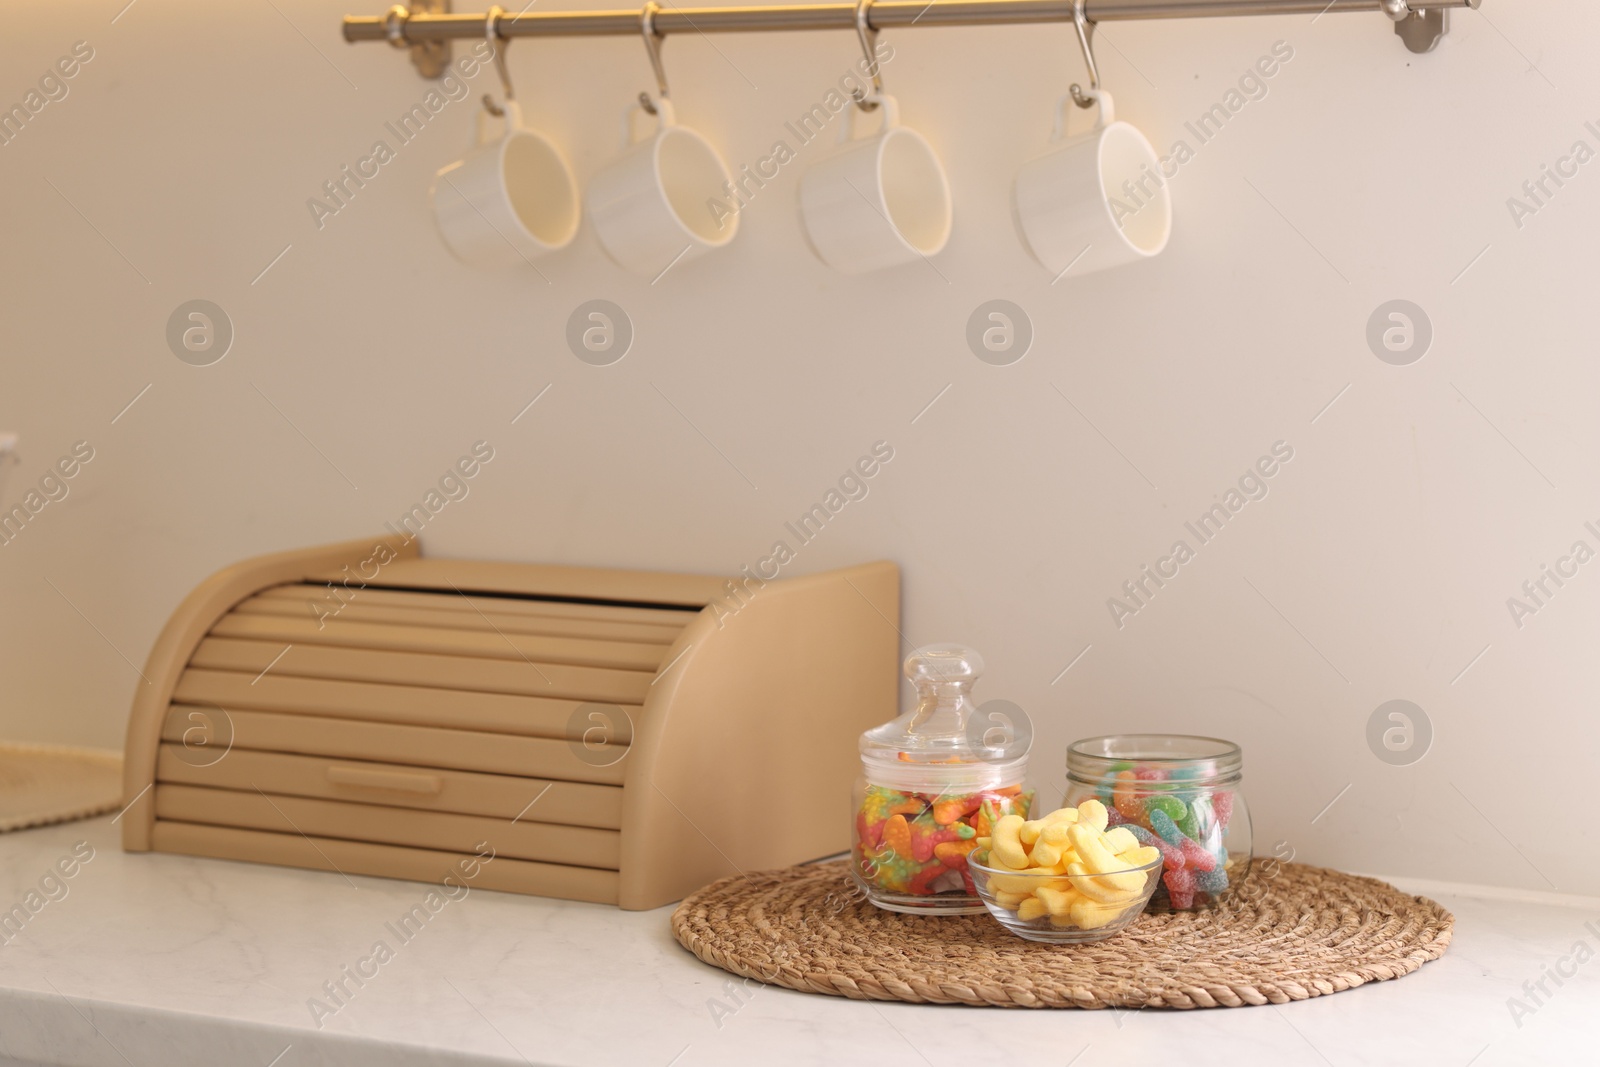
(366, 361)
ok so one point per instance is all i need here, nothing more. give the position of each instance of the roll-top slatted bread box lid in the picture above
(622, 737)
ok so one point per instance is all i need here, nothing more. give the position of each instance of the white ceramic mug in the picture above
(510, 199)
(1096, 200)
(651, 206)
(877, 202)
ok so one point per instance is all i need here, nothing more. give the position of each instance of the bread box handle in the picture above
(393, 781)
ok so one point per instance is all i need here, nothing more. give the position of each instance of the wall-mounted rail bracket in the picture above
(1422, 27)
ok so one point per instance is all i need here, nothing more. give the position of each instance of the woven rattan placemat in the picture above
(42, 784)
(1289, 933)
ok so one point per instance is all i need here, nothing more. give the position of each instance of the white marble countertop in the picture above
(158, 960)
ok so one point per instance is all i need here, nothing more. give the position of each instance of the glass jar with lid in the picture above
(932, 782)
(1179, 793)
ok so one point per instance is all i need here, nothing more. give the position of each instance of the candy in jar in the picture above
(933, 781)
(1178, 794)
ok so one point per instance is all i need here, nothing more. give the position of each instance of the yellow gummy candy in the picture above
(1030, 909)
(1010, 900)
(1128, 882)
(1056, 901)
(1018, 884)
(1138, 857)
(1088, 915)
(1055, 833)
(1030, 831)
(1045, 854)
(1054, 818)
(1120, 839)
(1005, 844)
(999, 864)
(1096, 889)
(1093, 813)
(1091, 849)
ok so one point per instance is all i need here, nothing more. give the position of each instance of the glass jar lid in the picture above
(1098, 760)
(943, 743)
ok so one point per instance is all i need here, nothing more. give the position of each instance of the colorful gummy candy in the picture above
(917, 843)
(1185, 774)
(919, 837)
(1172, 807)
(1184, 821)
(1172, 857)
(1162, 824)
(1195, 856)
(1222, 806)
(1099, 867)
(1180, 883)
(1124, 797)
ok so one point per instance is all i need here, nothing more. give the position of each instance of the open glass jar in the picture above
(1181, 794)
(932, 782)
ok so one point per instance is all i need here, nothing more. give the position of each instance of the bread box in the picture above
(614, 736)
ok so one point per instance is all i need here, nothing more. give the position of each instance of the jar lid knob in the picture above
(937, 665)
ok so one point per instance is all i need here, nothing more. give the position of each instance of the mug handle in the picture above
(664, 114)
(886, 104)
(1105, 112)
(511, 121)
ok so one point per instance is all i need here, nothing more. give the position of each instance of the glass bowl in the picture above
(1086, 906)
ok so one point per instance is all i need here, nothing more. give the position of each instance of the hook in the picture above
(491, 31)
(394, 26)
(868, 36)
(1085, 30)
(652, 44)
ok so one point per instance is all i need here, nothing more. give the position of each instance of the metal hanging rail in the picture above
(1418, 24)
